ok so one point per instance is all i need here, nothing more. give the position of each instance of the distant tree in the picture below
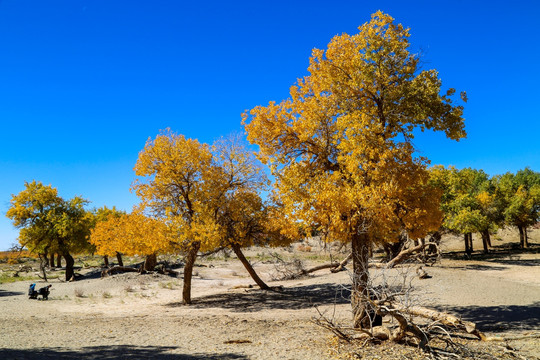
(341, 148)
(132, 234)
(521, 196)
(469, 203)
(103, 214)
(50, 224)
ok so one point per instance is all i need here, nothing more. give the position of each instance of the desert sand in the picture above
(141, 316)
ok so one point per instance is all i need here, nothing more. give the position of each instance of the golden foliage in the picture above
(206, 194)
(340, 147)
(130, 234)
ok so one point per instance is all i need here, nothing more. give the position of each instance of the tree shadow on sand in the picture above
(4, 293)
(111, 353)
(500, 318)
(254, 300)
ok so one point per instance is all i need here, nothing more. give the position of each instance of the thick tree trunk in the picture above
(360, 292)
(69, 266)
(119, 258)
(188, 271)
(58, 260)
(249, 268)
(51, 261)
(150, 262)
(106, 260)
(486, 241)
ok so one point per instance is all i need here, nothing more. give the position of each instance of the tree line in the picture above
(343, 164)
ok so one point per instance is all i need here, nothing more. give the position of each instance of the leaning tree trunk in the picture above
(58, 260)
(486, 241)
(150, 262)
(119, 258)
(188, 271)
(106, 260)
(69, 267)
(249, 268)
(360, 292)
(42, 264)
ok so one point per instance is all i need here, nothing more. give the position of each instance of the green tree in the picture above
(521, 196)
(341, 148)
(50, 224)
(469, 203)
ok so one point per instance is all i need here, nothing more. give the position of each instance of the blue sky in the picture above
(84, 84)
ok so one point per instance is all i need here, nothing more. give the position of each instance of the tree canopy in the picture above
(207, 195)
(50, 224)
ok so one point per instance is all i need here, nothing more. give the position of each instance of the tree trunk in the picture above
(150, 262)
(486, 241)
(58, 260)
(119, 258)
(188, 271)
(521, 237)
(466, 239)
(42, 264)
(69, 266)
(525, 238)
(471, 243)
(360, 292)
(249, 268)
(45, 259)
(106, 260)
(51, 261)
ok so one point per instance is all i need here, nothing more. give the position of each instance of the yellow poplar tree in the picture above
(207, 195)
(132, 234)
(102, 214)
(340, 146)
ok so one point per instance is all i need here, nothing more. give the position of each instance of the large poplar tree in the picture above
(340, 147)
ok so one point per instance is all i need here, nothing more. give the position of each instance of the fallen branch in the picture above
(117, 270)
(445, 319)
(317, 268)
(407, 253)
(342, 264)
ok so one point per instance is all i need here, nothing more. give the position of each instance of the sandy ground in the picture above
(140, 316)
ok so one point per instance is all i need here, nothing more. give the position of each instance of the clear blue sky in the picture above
(83, 84)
